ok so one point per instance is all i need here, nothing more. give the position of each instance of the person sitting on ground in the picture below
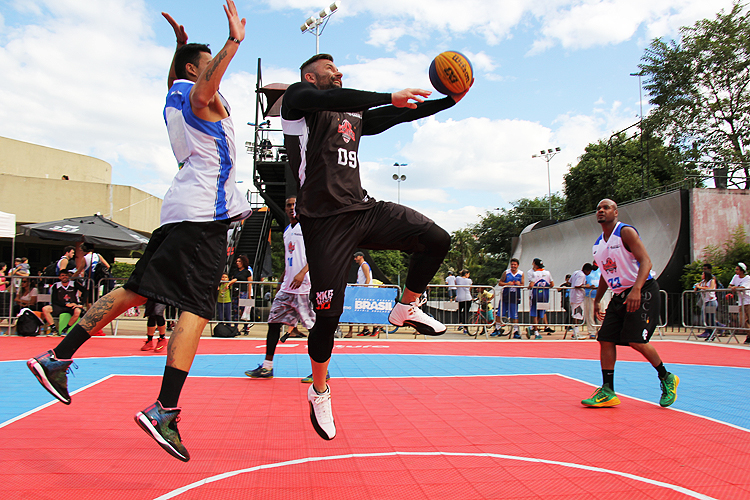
(65, 298)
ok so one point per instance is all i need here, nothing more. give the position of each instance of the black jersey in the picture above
(61, 295)
(322, 129)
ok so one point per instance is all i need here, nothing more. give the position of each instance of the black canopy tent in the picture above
(93, 229)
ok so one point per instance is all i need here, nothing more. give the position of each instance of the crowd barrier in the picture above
(722, 318)
(251, 303)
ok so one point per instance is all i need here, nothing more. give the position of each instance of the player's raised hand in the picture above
(236, 25)
(179, 30)
(408, 98)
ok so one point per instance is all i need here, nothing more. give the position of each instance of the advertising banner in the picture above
(370, 305)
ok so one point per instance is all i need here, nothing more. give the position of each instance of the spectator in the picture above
(364, 277)
(224, 300)
(707, 285)
(64, 298)
(463, 297)
(577, 296)
(26, 296)
(592, 283)
(4, 301)
(565, 290)
(67, 260)
(155, 321)
(740, 284)
(20, 269)
(511, 280)
(450, 280)
(87, 262)
(540, 280)
(240, 287)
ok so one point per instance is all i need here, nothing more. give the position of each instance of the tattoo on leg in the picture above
(97, 312)
(171, 345)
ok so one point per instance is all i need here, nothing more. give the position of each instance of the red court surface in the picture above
(494, 437)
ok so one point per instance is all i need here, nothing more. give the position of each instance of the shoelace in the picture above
(69, 370)
(322, 410)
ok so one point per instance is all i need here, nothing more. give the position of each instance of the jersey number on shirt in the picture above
(347, 158)
(614, 283)
(290, 261)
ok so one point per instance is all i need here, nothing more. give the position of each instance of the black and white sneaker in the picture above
(161, 424)
(412, 315)
(52, 374)
(321, 414)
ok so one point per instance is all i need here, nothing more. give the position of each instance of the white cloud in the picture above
(572, 24)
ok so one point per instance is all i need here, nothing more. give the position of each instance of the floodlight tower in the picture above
(399, 178)
(548, 155)
(316, 24)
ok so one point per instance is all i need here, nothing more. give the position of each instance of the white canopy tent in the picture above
(8, 230)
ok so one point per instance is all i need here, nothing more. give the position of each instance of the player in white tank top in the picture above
(631, 317)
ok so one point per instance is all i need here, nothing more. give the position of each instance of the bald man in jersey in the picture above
(633, 312)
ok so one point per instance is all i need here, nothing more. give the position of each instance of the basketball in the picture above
(451, 73)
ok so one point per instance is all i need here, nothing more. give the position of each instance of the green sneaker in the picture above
(309, 380)
(669, 389)
(260, 372)
(603, 397)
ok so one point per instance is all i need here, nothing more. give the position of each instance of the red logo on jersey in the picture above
(347, 131)
(609, 265)
(291, 247)
(323, 299)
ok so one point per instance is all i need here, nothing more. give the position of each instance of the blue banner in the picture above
(369, 305)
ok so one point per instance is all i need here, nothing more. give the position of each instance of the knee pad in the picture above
(320, 340)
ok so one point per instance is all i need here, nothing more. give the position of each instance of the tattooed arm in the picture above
(204, 98)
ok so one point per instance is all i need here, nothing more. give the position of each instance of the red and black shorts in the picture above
(637, 327)
(330, 243)
(182, 266)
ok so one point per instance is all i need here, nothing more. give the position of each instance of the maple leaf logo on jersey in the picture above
(347, 131)
(291, 247)
(609, 265)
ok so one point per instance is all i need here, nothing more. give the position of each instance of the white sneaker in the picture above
(321, 414)
(412, 315)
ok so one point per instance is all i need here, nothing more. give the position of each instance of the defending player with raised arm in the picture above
(633, 312)
(323, 124)
(195, 216)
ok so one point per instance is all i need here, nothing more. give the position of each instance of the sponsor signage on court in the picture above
(371, 305)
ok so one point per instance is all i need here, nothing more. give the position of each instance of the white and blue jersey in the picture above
(618, 266)
(204, 188)
(295, 259)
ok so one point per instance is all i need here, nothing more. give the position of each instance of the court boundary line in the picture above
(226, 475)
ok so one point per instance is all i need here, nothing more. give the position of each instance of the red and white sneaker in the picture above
(412, 315)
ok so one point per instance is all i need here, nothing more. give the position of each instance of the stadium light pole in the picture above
(399, 178)
(316, 24)
(548, 155)
(640, 103)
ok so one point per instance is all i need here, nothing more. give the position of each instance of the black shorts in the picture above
(57, 310)
(182, 266)
(330, 243)
(622, 327)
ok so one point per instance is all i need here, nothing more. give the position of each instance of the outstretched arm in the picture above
(181, 35)
(203, 96)
(375, 121)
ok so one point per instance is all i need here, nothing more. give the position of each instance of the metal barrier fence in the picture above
(716, 313)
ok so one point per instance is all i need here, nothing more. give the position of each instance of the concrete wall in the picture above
(34, 199)
(566, 246)
(714, 214)
(31, 160)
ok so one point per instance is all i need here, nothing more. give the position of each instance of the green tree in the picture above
(723, 259)
(622, 169)
(700, 87)
(393, 263)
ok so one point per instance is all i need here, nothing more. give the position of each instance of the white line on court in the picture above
(225, 475)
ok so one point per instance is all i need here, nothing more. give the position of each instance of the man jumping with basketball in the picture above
(185, 257)
(323, 124)
(633, 312)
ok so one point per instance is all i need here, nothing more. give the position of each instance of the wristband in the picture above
(234, 40)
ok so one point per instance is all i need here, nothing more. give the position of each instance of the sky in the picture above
(89, 76)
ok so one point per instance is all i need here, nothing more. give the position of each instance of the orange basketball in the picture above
(451, 73)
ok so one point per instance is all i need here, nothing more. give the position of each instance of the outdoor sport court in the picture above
(424, 419)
